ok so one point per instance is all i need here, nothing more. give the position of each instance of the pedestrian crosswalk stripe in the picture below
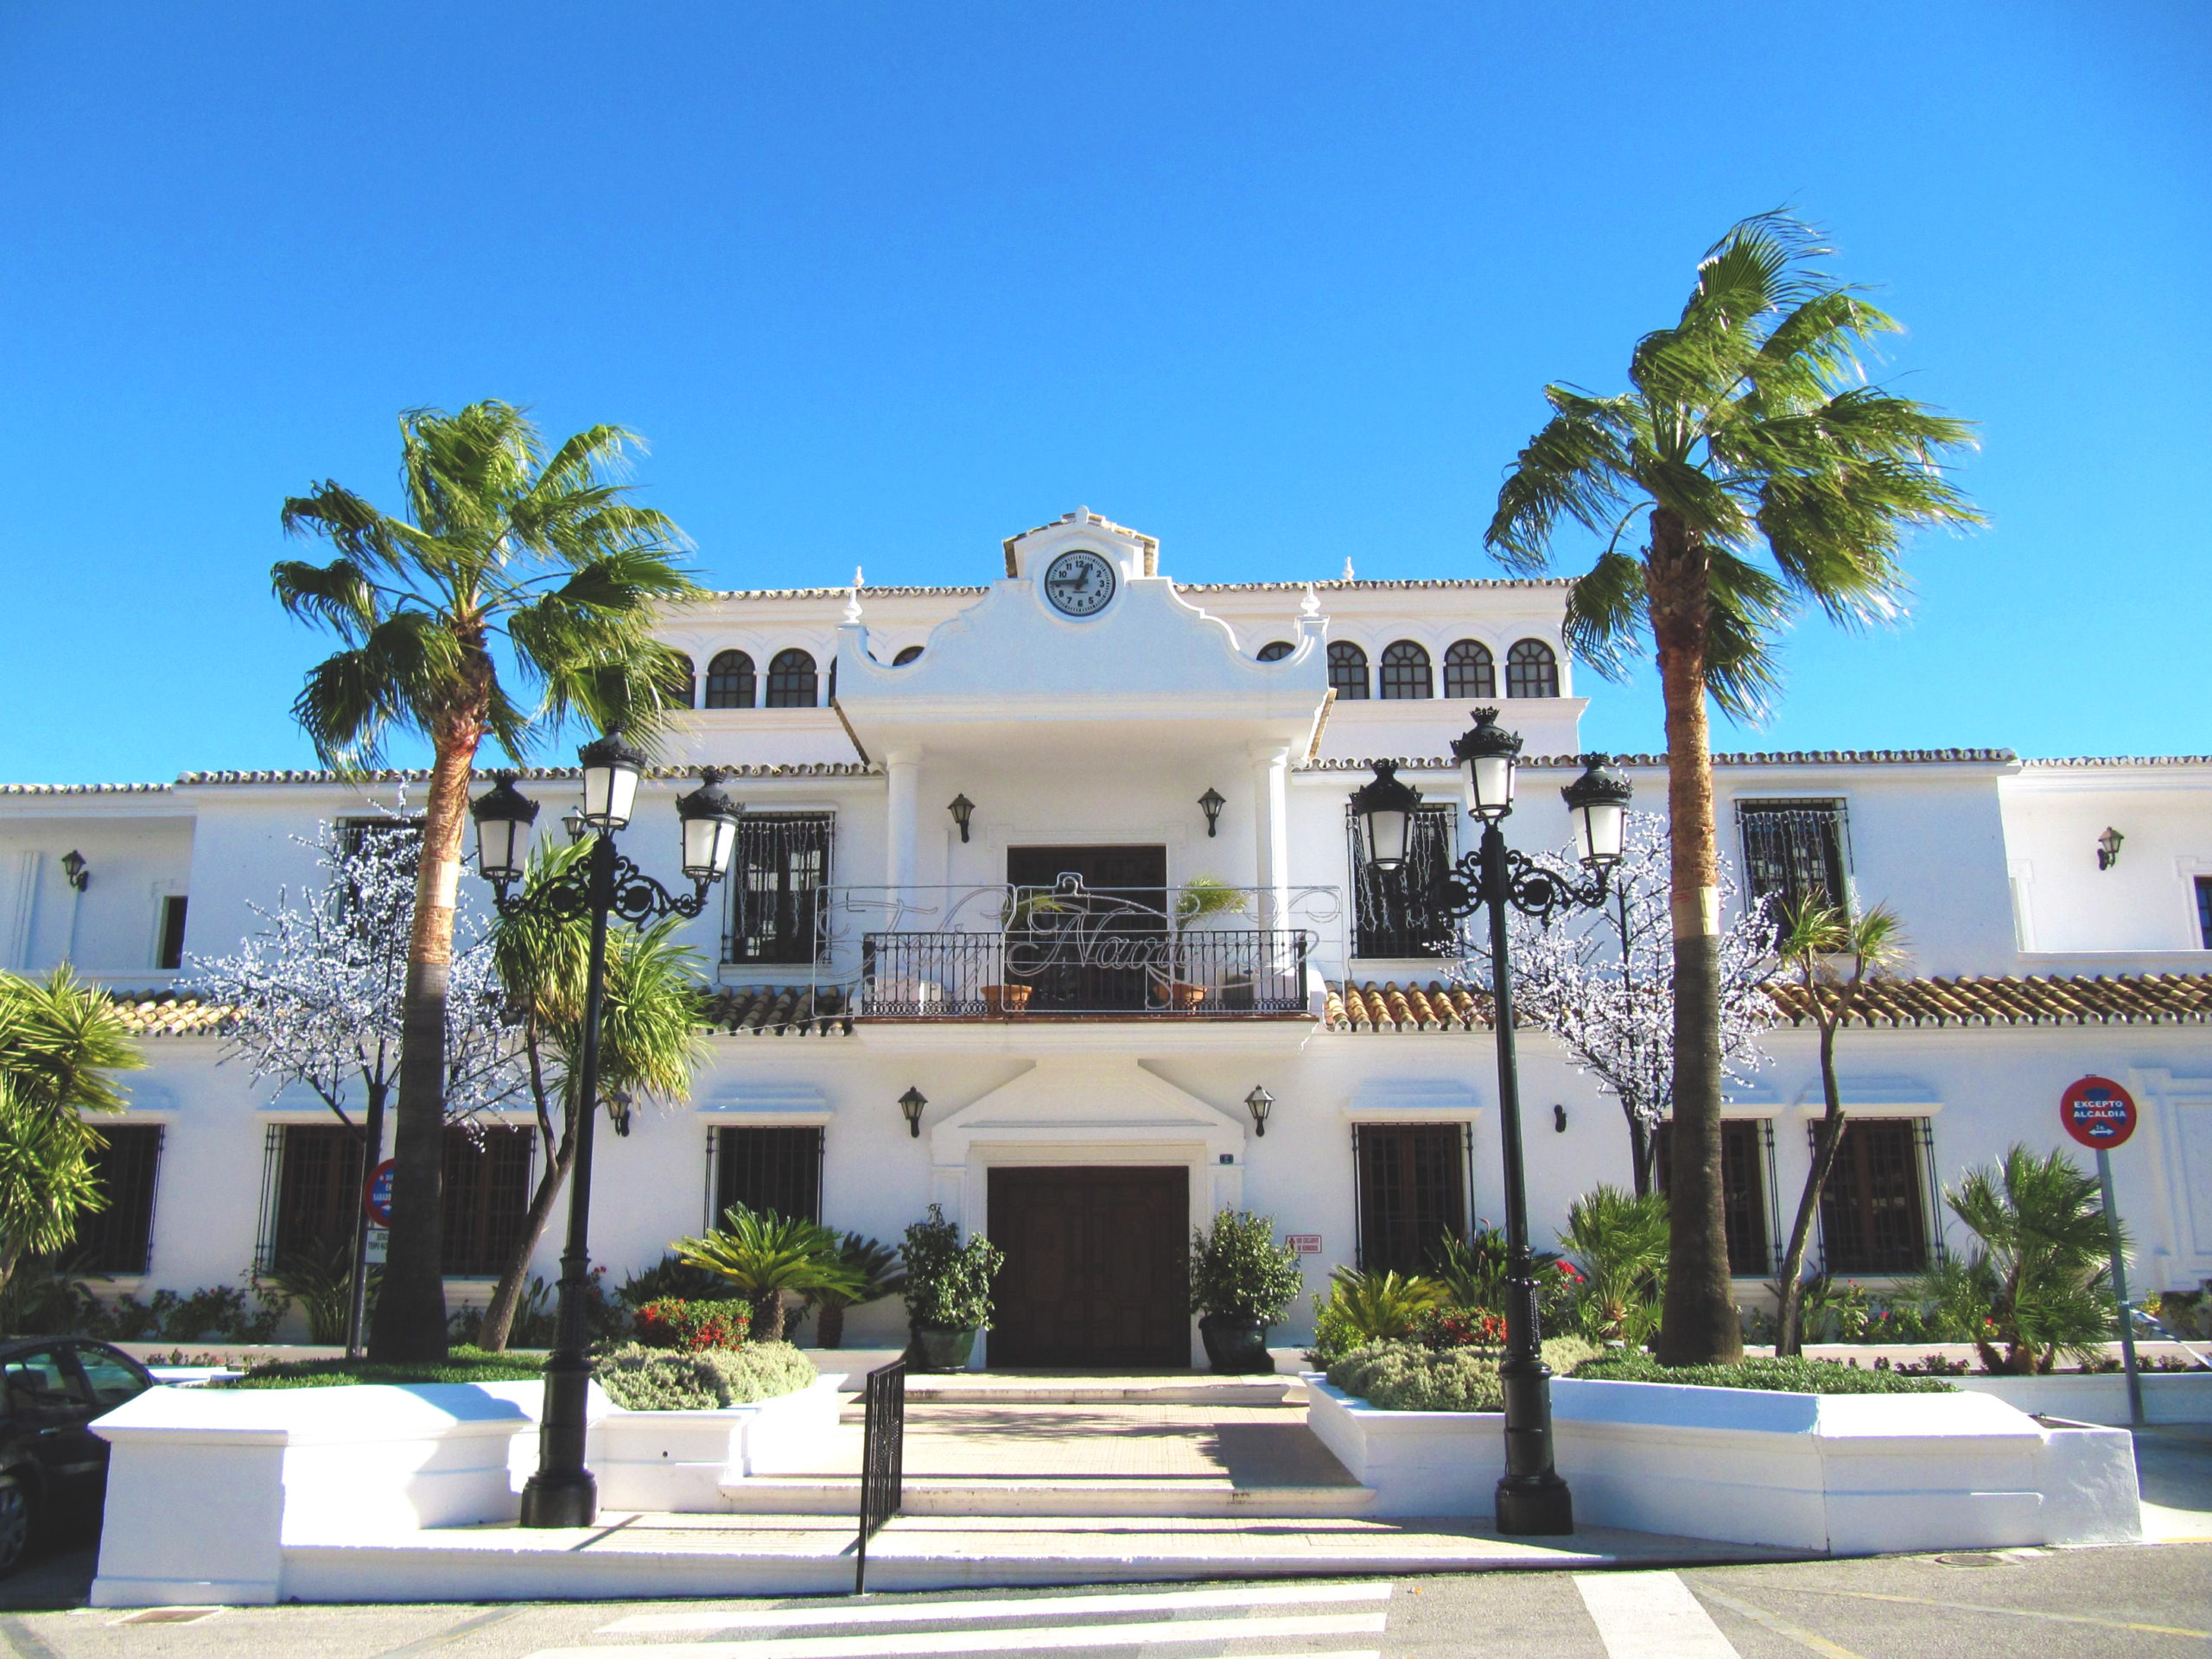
(1021, 1639)
(1037, 1607)
(1650, 1616)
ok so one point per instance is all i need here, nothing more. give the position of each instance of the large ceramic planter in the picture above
(1237, 1346)
(1000, 1001)
(940, 1350)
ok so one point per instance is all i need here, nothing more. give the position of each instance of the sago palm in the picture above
(1769, 477)
(518, 592)
(1832, 952)
(763, 1255)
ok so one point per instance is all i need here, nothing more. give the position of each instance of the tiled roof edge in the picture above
(866, 593)
(1744, 758)
(2087, 762)
(1360, 584)
(84, 789)
(528, 774)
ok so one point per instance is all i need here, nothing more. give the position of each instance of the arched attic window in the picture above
(908, 654)
(1275, 650)
(1347, 669)
(682, 688)
(1405, 673)
(1531, 670)
(1468, 670)
(791, 681)
(729, 681)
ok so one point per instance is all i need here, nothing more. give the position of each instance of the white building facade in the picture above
(1067, 856)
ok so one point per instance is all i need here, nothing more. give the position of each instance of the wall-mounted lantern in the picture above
(77, 872)
(961, 809)
(1559, 1118)
(1259, 1102)
(912, 1103)
(2108, 847)
(1211, 804)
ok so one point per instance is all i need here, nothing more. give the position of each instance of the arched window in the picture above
(1405, 673)
(729, 681)
(1347, 669)
(1468, 670)
(909, 654)
(682, 688)
(1275, 650)
(1531, 670)
(791, 680)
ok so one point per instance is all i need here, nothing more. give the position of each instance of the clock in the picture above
(1080, 582)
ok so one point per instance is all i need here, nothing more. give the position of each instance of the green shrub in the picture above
(1397, 1376)
(462, 1365)
(1365, 1307)
(672, 1322)
(639, 1378)
(1619, 1242)
(1238, 1269)
(948, 1283)
(1783, 1376)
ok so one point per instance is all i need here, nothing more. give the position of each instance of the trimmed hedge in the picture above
(1782, 1376)
(639, 1378)
(1407, 1377)
(463, 1364)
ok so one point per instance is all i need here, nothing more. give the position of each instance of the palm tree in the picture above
(1745, 430)
(506, 555)
(62, 1040)
(650, 1042)
(763, 1255)
(876, 1275)
(1832, 952)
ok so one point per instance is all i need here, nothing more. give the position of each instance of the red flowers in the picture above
(673, 1322)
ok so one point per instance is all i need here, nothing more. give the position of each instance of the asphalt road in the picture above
(2148, 1600)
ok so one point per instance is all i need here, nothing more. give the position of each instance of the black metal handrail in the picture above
(1201, 972)
(883, 1458)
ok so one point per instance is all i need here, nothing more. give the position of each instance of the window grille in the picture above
(1469, 671)
(1275, 650)
(316, 1196)
(1531, 670)
(683, 681)
(1348, 670)
(778, 1169)
(729, 681)
(2204, 910)
(1404, 912)
(1410, 1187)
(1796, 849)
(120, 1238)
(1747, 1191)
(792, 680)
(780, 881)
(486, 1197)
(906, 654)
(1874, 1207)
(169, 953)
(1405, 673)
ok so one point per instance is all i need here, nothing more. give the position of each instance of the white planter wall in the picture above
(2101, 1398)
(1426, 1463)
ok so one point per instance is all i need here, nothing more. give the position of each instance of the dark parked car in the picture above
(53, 1467)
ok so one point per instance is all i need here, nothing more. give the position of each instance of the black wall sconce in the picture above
(1558, 1119)
(961, 810)
(1211, 804)
(76, 871)
(1259, 1102)
(912, 1103)
(2108, 847)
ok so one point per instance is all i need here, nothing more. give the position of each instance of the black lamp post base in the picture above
(564, 1500)
(1538, 1506)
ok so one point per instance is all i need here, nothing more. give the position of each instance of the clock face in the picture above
(1080, 583)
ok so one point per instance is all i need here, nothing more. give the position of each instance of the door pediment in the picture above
(1086, 1101)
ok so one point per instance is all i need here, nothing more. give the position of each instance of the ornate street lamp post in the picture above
(562, 1492)
(1532, 1499)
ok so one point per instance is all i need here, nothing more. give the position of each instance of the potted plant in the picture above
(1241, 1283)
(1017, 915)
(948, 1292)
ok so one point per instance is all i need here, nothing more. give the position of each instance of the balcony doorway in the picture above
(1088, 926)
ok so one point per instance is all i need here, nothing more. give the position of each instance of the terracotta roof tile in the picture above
(1774, 758)
(2001, 999)
(528, 774)
(172, 1013)
(779, 1010)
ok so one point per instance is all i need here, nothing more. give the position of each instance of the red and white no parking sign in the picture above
(2098, 1113)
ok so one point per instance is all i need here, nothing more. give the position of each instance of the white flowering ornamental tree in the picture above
(1603, 983)
(316, 999)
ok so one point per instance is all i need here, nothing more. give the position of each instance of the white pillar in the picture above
(1271, 836)
(903, 769)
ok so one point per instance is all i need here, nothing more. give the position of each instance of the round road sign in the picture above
(2098, 1113)
(380, 1190)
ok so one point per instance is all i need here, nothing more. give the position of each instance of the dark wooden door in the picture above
(1098, 954)
(1093, 1267)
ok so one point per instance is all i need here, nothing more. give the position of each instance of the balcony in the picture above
(1070, 951)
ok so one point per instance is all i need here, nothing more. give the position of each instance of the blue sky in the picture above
(882, 283)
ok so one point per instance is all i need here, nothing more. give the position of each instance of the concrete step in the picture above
(1195, 1497)
(986, 1388)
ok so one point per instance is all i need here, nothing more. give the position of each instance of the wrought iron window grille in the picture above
(1408, 912)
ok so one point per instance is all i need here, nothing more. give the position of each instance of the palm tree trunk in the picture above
(1698, 1325)
(1787, 1337)
(411, 1316)
(499, 1311)
(11, 1257)
(1640, 1151)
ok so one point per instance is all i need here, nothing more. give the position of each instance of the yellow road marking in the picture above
(1819, 1644)
(1982, 1607)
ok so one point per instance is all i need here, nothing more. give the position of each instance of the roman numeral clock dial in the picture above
(1080, 583)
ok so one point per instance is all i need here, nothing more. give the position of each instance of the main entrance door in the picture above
(1094, 1265)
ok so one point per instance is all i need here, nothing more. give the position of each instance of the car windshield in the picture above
(112, 1381)
(39, 1385)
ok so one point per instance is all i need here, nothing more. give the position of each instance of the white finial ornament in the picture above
(1311, 606)
(859, 581)
(1347, 575)
(853, 604)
